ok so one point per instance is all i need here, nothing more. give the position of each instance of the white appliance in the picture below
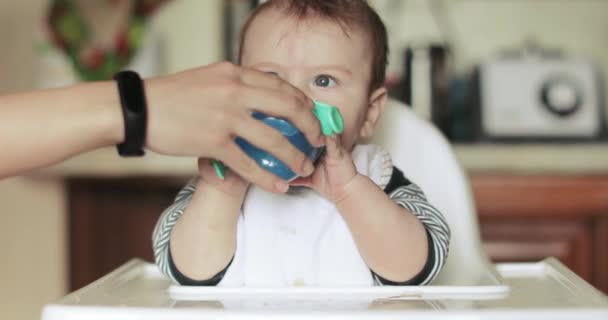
(532, 96)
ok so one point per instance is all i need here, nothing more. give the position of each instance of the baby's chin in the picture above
(297, 190)
(350, 146)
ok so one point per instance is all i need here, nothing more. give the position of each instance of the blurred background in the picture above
(516, 85)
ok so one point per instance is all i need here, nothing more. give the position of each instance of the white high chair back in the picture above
(426, 158)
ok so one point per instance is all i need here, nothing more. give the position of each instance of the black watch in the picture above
(134, 111)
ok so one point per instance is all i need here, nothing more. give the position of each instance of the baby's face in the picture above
(317, 57)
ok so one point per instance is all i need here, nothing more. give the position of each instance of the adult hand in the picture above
(199, 112)
(192, 113)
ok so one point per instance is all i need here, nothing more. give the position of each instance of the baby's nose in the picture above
(305, 88)
(298, 82)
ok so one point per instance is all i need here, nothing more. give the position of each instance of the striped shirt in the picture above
(400, 190)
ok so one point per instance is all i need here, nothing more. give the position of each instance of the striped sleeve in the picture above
(162, 231)
(409, 196)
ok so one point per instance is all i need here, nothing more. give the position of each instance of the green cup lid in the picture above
(329, 117)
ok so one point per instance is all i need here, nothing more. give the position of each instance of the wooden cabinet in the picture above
(111, 221)
(528, 218)
(522, 218)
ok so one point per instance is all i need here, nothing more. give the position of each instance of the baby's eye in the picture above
(325, 81)
(272, 73)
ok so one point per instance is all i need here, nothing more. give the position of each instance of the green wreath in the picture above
(70, 33)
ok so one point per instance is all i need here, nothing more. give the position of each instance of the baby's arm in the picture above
(203, 240)
(402, 238)
(195, 238)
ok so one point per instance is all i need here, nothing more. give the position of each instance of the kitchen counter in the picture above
(534, 158)
(567, 159)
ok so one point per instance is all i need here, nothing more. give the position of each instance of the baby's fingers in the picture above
(333, 148)
(204, 167)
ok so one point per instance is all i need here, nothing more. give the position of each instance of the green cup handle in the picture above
(220, 169)
(329, 117)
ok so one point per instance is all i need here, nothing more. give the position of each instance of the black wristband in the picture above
(134, 111)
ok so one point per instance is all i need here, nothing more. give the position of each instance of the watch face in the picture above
(561, 95)
(132, 91)
(133, 104)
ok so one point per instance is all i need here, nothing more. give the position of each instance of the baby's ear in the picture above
(377, 101)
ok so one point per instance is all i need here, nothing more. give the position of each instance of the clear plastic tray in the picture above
(490, 286)
(476, 280)
(137, 290)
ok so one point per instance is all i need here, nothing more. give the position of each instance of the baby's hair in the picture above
(348, 13)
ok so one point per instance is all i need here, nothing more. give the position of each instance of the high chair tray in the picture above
(486, 285)
(478, 280)
(346, 293)
(137, 290)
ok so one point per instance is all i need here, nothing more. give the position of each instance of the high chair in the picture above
(426, 158)
(469, 286)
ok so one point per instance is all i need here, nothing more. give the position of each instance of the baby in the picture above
(356, 221)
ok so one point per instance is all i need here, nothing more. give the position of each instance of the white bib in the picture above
(300, 239)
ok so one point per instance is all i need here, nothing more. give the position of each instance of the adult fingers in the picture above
(282, 105)
(259, 79)
(249, 170)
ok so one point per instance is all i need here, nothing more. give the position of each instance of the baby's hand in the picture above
(232, 184)
(333, 173)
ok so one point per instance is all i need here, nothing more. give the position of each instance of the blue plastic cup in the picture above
(331, 123)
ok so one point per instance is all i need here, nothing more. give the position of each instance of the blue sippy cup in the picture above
(331, 123)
